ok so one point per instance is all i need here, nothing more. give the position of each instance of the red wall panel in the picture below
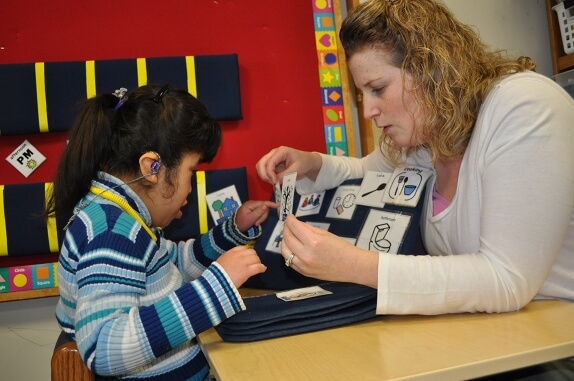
(273, 39)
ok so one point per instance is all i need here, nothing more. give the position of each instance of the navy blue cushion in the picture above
(64, 87)
(268, 316)
(26, 228)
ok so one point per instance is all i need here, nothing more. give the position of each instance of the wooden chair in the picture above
(67, 365)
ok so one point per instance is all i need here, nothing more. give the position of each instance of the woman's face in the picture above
(168, 200)
(386, 99)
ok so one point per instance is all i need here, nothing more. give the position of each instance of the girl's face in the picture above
(386, 100)
(167, 201)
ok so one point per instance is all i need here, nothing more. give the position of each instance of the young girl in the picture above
(133, 300)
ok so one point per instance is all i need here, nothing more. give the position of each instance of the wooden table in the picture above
(445, 347)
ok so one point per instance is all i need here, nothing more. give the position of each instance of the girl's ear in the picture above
(150, 164)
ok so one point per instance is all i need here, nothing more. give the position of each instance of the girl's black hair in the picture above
(110, 134)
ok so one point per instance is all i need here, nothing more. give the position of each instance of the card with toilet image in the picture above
(383, 231)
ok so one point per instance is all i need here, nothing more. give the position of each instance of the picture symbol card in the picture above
(373, 189)
(383, 231)
(343, 203)
(310, 204)
(287, 195)
(223, 203)
(406, 185)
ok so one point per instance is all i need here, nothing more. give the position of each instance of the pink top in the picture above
(439, 203)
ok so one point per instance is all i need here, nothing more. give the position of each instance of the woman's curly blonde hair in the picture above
(452, 68)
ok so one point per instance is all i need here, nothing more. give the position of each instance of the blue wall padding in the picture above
(216, 76)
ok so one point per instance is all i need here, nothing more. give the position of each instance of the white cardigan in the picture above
(508, 235)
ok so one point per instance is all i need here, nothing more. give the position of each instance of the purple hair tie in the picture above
(120, 93)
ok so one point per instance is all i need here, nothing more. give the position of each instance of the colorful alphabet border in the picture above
(330, 77)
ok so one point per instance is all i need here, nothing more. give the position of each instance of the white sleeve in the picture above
(336, 169)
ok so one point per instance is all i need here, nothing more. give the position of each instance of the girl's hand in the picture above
(252, 213)
(241, 263)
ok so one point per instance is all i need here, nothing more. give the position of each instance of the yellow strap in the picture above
(142, 71)
(41, 97)
(201, 201)
(90, 79)
(191, 83)
(99, 192)
(3, 234)
(51, 225)
(55, 264)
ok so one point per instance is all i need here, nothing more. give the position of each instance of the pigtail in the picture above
(87, 149)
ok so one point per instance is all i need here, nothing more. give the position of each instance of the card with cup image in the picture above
(287, 195)
(406, 185)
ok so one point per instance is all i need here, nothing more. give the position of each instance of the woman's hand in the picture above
(282, 160)
(323, 255)
(252, 213)
(240, 264)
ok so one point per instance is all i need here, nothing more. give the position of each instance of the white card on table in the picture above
(302, 293)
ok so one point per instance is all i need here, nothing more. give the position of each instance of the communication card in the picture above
(287, 195)
(302, 293)
(383, 231)
(310, 204)
(223, 203)
(343, 204)
(406, 185)
(373, 189)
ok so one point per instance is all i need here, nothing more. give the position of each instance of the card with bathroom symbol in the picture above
(343, 202)
(287, 195)
(310, 204)
(406, 186)
(373, 189)
(383, 231)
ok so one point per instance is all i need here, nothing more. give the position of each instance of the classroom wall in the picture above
(274, 41)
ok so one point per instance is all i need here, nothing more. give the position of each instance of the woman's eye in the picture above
(377, 91)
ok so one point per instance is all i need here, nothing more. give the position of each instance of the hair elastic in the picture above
(121, 94)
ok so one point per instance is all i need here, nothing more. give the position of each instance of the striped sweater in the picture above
(135, 304)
